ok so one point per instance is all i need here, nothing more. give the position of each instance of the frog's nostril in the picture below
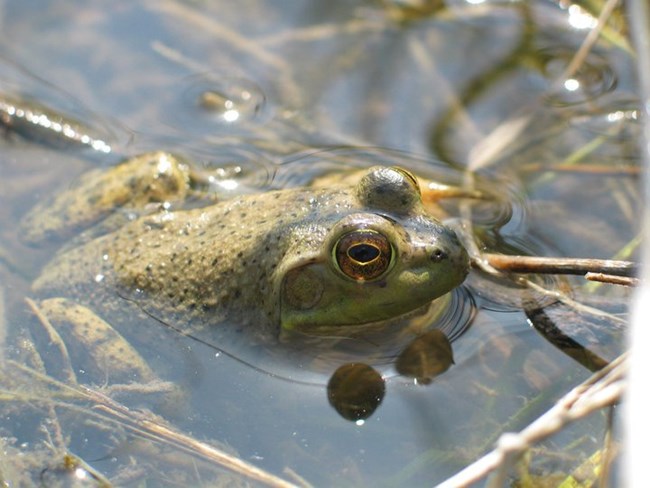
(438, 255)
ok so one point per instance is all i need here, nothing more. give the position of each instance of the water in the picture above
(295, 92)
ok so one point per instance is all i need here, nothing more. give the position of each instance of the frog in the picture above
(314, 261)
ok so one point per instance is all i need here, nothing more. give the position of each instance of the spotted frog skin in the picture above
(310, 260)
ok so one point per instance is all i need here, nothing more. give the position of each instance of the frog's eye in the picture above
(363, 254)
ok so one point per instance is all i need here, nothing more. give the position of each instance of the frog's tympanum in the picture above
(313, 261)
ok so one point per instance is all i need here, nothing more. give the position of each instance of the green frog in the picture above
(334, 260)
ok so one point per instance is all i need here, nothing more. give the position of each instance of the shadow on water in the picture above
(285, 98)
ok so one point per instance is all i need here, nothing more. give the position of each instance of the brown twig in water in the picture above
(143, 424)
(550, 265)
(151, 427)
(612, 280)
(602, 389)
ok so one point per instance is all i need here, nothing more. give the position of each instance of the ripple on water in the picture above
(304, 167)
(312, 360)
(229, 170)
(615, 116)
(212, 103)
(593, 78)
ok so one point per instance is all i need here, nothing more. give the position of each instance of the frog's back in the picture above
(186, 263)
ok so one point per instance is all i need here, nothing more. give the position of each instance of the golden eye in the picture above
(363, 254)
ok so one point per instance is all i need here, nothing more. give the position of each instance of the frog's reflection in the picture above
(426, 357)
(355, 390)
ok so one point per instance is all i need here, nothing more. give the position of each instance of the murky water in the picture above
(277, 94)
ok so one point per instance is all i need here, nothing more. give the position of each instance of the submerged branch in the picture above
(141, 423)
(612, 279)
(149, 426)
(550, 265)
(602, 389)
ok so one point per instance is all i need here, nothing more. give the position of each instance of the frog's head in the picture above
(384, 258)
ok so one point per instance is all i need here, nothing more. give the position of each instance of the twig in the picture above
(590, 40)
(146, 425)
(299, 479)
(550, 265)
(151, 427)
(612, 280)
(609, 451)
(602, 389)
(481, 262)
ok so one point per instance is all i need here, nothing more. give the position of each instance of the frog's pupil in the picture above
(363, 253)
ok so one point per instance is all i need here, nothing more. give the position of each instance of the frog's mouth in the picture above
(373, 332)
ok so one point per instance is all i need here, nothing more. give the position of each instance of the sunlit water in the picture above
(277, 98)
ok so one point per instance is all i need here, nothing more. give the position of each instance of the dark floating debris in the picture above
(426, 357)
(355, 390)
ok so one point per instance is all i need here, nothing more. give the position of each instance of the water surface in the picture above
(294, 91)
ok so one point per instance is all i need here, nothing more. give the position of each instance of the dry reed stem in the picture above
(612, 279)
(152, 428)
(147, 426)
(604, 388)
(553, 265)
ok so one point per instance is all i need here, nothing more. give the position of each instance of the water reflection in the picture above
(211, 103)
(38, 123)
(426, 357)
(385, 83)
(579, 18)
(593, 340)
(312, 360)
(355, 391)
(616, 116)
(64, 122)
(233, 170)
(594, 78)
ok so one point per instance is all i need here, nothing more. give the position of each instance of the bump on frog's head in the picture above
(392, 189)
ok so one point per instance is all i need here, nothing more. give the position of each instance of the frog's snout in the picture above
(449, 249)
